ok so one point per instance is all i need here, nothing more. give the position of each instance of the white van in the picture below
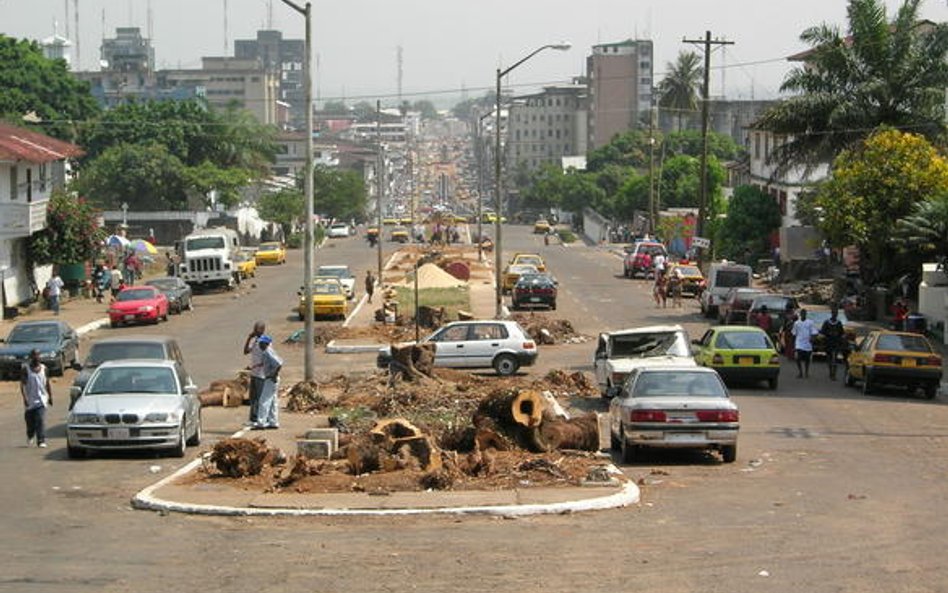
(722, 277)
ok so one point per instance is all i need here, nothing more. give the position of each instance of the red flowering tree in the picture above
(72, 234)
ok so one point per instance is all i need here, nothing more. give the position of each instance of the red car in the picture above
(138, 304)
(639, 259)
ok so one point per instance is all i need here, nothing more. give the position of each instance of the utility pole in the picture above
(379, 175)
(707, 42)
(652, 210)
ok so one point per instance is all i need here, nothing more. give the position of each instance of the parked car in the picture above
(502, 345)
(57, 342)
(692, 280)
(619, 352)
(513, 272)
(124, 348)
(341, 273)
(739, 353)
(176, 290)
(541, 226)
(340, 230)
(895, 358)
(246, 265)
(270, 253)
(135, 404)
(329, 299)
(136, 304)
(818, 316)
(735, 305)
(722, 277)
(673, 407)
(777, 307)
(531, 259)
(638, 260)
(399, 234)
(534, 290)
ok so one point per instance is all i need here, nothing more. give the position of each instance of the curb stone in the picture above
(92, 326)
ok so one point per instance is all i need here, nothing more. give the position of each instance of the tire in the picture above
(505, 365)
(614, 441)
(182, 446)
(848, 379)
(61, 366)
(553, 306)
(301, 316)
(628, 451)
(113, 324)
(772, 383)
(729, 453)
(195, 439)
(931, 390)
(867, 386)
(75, 452)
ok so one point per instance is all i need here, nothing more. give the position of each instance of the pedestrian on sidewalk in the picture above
(369, 284)
(803, 331)
(115, 280)
(268, 414)
(98, 274)
(251, 347)
(54, 288)
(37, 396)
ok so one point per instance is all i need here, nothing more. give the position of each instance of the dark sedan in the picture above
(534, 290)
(56, 341)
(176, 290)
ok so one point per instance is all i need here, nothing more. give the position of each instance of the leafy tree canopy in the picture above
(752, 217)
(629, 149)
(145, 176)
(924, 231)
(681, 181)
(427, 109)
(72, 234)
(338, 193)
(286, 208)
(32, 83)
(471, 108)
(335, 108)
(689, 142)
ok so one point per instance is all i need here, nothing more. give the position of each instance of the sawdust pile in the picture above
(432, 276)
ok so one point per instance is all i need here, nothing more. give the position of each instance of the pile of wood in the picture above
(227, 392)
(412, 361)
(240, 458)
(305, 396)
(431, 317)
(393, 444)
(525, 419)
(545, 330)
(576, 383)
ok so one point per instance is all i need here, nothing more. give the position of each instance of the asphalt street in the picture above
(832, 490)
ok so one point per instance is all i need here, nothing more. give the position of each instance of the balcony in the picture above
(22, 219)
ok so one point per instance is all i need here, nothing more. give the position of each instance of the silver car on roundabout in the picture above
(135, 404)
(673, 407)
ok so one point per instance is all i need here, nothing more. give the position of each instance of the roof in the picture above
(139, 362)
(646, 330)
(134, 338)
(20, 144)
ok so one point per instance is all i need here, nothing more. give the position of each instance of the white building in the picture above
(547, 126)
(32, 165)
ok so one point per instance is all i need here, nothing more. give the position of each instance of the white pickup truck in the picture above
(618, 352)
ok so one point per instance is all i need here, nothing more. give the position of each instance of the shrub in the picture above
(294, 241)
(566, 236)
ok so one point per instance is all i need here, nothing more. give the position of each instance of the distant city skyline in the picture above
(449, 46)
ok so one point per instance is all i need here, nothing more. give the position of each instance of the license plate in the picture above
(120, 434)
(534, 299)
(745, 360)
(684, 437)
(908, 362)
(129, 317)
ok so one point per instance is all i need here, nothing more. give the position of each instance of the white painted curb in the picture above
(92, 326)
(333, 348)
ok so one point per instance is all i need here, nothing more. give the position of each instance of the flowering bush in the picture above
(72, 234)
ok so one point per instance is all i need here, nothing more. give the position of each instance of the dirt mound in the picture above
(547, 330)
(432, 276)
(239, 458)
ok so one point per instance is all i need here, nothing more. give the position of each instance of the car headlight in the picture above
(48, 354)
(79, 418)
(115, 311)
(172, 298)
(163, 417)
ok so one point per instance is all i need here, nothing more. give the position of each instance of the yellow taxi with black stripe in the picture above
(904, 359)
(530, 259)
(739, 353)
(270, 253)
(692, 280)
(329, 299)
(541, 227)
(513, 272)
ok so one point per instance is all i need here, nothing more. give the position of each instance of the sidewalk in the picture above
(82, 314)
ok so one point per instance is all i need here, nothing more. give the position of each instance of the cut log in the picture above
(422, 449)
(430, 317)
(364, 456)
(390, 429)
(486, 438)
(414, 360)
(580, 433)
(465, 315)
(527, 408)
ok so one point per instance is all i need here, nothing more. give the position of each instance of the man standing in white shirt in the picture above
(37, 396)
(54, 288)
(803, 331)
(659, 263)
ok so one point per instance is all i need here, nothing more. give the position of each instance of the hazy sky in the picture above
(450, 44)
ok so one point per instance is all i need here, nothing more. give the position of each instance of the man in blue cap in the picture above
(268, 407)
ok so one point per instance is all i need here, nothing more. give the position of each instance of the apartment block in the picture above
(547, 126)
(620, 78)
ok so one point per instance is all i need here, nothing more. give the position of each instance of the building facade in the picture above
(620, 79)
(284, 58)
(547, 126)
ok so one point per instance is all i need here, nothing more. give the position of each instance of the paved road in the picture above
(832, 491)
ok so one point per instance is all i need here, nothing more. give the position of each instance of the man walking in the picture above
(54, 288)
(803, 331)
(268, 413)
(256, 368)
(369, 284)
(834, 334)
(37, 396)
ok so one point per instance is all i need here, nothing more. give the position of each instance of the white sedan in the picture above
(338, 230)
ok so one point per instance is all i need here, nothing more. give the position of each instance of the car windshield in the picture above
(688, 271)
(678, 383)
(743, 340)
(333, 272)
(531, 260)
(775, 303)
(818, 317)
(205, 243)
(903, 343)
(342, 226)
(34, 333)
(123, 351)
(326, 288)
(732, 278)
(120, 380)
(164, 284)
(523, 269)
(644, 345)
(269, 247)
(136, 294)
(535, 279)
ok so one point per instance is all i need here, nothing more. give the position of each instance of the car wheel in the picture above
(614, 441)
(729, 453)
(772, 383)
(553, 306)
(627, 449)
(181, 446)
(75, 452)
(301, 316)
(867, 385)
(848, 379)
(61, 365)
(113, 324)
(931, 390)
(506, 365)
(195, 439)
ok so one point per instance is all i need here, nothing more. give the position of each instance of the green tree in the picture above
(689, 142)
(286, 207)
(677, 92)
(72, 234)
(681, 181)
(924, 230)
(879, 73)
(752, 217)
(338, 193)
(32, 83)
(335, 108)
(427, 109)
(873, 186)
(476, 107)
(145, 176)
(629, 149)
(208, 177)
(632, 197)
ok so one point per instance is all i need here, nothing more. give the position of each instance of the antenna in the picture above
(270, 14)
(226, 41)
(75, 12)
(66, 20)
(151, 22)
(723, 71)
(319, 85)
(399, 58)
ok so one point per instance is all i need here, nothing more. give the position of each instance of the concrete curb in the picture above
(146, 500)
(333, 348)
(92, 326)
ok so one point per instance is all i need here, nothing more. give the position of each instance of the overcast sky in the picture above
(450, 44)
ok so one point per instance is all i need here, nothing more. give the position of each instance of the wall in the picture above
(933, 297)
(595, 226)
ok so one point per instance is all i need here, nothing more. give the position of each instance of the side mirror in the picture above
(74, 393)
(696, 342)
(191, 389)
(613, 391)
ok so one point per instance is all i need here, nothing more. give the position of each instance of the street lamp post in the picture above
(498, 200)
(479, 151)
(124, 215)
(309, 353)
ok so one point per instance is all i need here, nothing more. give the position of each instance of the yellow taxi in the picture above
(739, 353)
(541, 227)
(692, 280)
(491, 217)
(530, 259)
(389, 221)
(458, 219)
(246, 265)
(372, 231)
(895, 358)
(513, 272)
(329, 299)
(399, 234)
(270, 253)
(405, 221)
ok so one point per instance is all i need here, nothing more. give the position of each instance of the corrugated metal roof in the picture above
(21, 144)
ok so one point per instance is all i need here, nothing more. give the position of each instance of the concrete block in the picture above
(324, 434)
(314, 448)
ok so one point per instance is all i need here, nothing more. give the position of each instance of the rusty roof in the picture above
(25, 145)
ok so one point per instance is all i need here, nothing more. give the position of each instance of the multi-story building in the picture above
(547, 126)
(620, 88)
(291, 154)
(229, 81)
(284, 57)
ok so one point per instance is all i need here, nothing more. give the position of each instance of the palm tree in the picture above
(925, 230)
(678, 90)
(881, 73)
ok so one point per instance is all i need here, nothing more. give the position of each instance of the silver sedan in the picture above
(674, 407)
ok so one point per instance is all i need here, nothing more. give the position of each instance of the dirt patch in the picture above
(548, 330)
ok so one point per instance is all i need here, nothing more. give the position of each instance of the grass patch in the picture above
(566, 236)
(452, 299)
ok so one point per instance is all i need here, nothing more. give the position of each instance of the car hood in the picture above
(138, 403)
(132, 305)
(24, 348)
(625, 365)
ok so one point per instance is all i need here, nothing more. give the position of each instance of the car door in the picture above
(451, 346)
(859, 358)
(486, 340)
(704, 350)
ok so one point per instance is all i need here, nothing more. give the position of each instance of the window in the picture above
(767, 146)
(489, 332)
(29, 184)
(757, 145)
(14, 191)
(43, 177)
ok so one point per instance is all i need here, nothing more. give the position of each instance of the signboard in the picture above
(700, 242)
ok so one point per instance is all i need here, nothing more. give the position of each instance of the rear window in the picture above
(743, 341)
(774, 303)
(123, 351)
(678, 383)
(906, 343)
(731, 278)
(651, 344)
